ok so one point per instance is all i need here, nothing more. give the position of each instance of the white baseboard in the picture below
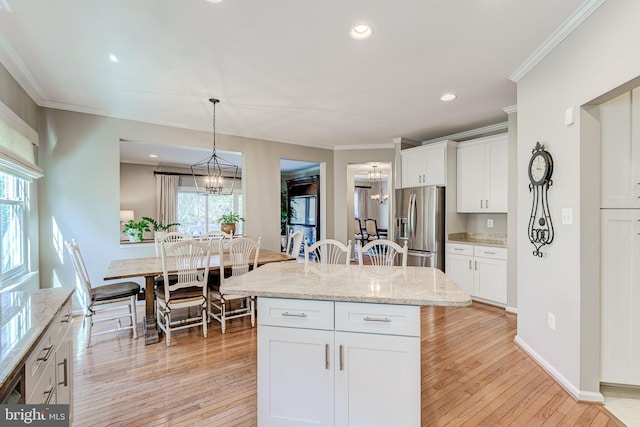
(581, 395)
(513, 310)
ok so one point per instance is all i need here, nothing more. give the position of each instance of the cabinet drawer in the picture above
(295, 313)
(459, 248)
(387, 319)
(43, 352)
(490, 252)
(43, 392)
(61, 323)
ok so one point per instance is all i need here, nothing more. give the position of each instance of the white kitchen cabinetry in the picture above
(482, 175)
(620, 153)
(49, 368)
(425, 165)
(620, 293)
(481, 271)
(365, 370)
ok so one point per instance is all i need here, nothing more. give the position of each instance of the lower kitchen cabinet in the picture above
(481, 271)
(620, 296)
(365, 370)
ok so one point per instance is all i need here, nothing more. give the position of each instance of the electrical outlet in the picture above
(551, 321)
(490, 223)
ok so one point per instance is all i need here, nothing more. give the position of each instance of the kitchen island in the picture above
(340, 344)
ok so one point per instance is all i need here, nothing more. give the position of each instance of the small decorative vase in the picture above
(228, 227)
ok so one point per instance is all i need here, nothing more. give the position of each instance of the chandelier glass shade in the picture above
(211, 173)
(374, 174)
(380, 198)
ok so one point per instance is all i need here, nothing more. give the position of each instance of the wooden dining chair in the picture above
(371, 227)
(190, 258)
(243, 253)
(294, 243)
(96, 301)
(328, 251)
(384, 252)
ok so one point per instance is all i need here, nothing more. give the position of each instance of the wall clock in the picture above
(540, 224)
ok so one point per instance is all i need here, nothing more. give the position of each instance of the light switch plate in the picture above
(567, 216)
(569, 116)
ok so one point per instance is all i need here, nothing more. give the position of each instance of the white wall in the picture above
(600, 55)
(81, 189)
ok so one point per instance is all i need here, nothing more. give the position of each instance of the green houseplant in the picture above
(158, 226)
(135, 230)
(228, 222)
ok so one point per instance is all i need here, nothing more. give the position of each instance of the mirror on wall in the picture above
(142, 163)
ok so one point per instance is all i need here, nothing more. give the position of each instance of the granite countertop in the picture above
(24, 316)
(496, 240)
(352, 283)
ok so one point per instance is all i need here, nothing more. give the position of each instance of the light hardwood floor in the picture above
(472, 375)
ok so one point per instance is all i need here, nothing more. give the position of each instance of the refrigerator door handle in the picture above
(412, 214)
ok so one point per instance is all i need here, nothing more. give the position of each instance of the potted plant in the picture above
(228, 222)
(135, 230)
(158, 226)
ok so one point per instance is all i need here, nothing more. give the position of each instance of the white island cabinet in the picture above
(339, 345)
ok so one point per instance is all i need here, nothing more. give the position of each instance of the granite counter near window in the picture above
(24, 317)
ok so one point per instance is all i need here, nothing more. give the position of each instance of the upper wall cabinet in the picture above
(426, 164)
(620, 153)
(482, 175)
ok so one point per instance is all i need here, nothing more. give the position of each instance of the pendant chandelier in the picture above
(214, 170)
(374, 174)
(380, 198)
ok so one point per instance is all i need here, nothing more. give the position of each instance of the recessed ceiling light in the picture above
(113, 58)
(361, 32)
(153, 156)
(448, 97)
(214, 1)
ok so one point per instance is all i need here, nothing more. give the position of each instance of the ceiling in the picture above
(284, 70)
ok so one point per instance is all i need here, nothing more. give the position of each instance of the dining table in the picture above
(149, 268)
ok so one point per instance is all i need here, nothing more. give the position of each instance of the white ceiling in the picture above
(284, 70)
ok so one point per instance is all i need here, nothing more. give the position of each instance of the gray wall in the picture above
(598, 56)
(80, 194)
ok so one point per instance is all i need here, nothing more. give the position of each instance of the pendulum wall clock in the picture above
(540, 224)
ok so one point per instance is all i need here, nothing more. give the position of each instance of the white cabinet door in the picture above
(435, 158)
(620, 153)
(295, 377)
(414, 168)
(490, 279)
(459, 268)
(471, 183)
(482, 175)
(376, 380)
(620, 291)
(496, 175)
(64, 372)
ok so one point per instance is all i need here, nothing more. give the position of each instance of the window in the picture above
(13, 210)
(198, 213)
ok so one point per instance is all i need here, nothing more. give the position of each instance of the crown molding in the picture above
(483, 131)
(14, 65)
(567, 27)
(364, 147)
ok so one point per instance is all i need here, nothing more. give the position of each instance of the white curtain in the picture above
(362, 194)
(167, 197)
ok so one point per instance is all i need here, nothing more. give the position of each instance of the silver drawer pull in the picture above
(458, 249)
(287, 314)
(341, 358)
(489, 253)
(377, 319)
(66, 318)
(49, 394)
(46, 356)
(326, 356)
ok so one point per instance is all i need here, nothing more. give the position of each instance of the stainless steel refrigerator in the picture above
(419, 220)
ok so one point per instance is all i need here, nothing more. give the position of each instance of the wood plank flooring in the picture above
(472, 375)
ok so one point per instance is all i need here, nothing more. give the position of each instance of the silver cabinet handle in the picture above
(66, 318)
(486, 203)
(470, 265)
(460, 249)
(64, 363)
(341, 357)
(476, 264)
(46, 356)
(49, 394)
(287, 314)
(377, 319)
(326, 356)
(481, 204)
(489, 253)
